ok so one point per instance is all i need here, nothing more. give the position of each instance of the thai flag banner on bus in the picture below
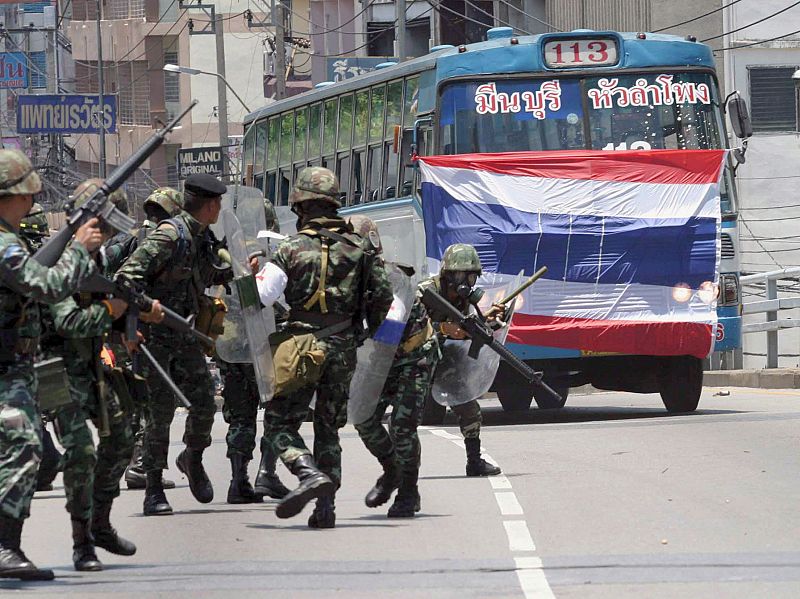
(630, 240)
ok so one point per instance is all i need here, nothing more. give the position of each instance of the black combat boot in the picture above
(240, 490)
(407, 502)
(267, 481)
(190, 462)
(386, 484)
(13, 562)
(50, 464)
(83, 555)
(324, 514)
(155, 501)
(105, 535)
(313, 485)
(135, 476)
(476, 465)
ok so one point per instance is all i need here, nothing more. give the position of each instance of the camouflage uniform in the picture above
(240, 410)
(298, 260)
(162, 204)
(174, 264)
(23, 282)
(462, 259)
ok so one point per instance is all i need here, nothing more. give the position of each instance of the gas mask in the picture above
(463, 282)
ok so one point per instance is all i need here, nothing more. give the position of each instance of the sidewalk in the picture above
(773, 378)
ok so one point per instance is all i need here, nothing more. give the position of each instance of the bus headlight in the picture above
(708, 292)
(729, 289)
(681, 293)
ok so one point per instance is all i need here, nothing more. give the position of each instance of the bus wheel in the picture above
(681, 383)
(432, 412)
(546, 402)
(514, 399)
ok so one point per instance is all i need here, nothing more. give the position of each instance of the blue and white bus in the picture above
(612, 88)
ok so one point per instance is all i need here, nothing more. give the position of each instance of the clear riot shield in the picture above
(376, 356)
(232, 345)
(459, 378)
(258, 323)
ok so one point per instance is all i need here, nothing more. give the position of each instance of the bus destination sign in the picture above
(583, 52)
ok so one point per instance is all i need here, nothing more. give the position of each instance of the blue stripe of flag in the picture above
(655, 251)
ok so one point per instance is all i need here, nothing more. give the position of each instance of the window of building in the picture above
(132, 87)
(380, 38)
(38, 69)
(124, 9)
(773, 100)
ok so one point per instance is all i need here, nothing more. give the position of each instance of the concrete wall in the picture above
(770, 177)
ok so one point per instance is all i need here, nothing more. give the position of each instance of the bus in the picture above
(622, 91)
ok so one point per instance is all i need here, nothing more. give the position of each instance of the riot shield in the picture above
(460, 378)
(376, 355)
(232, 345)
(258, 323)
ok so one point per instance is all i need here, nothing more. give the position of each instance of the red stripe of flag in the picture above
(622, 336)
(649, 166)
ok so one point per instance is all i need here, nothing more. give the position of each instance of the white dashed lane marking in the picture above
(530, 571)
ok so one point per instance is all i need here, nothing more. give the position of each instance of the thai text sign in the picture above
(192, 161)
(13, 70)
(66, 113)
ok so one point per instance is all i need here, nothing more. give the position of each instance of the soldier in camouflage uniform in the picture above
(23, 283)
(91, 475)
(332, 302)
(174, 264)
(162, 204)
(407, 385)
(34, 229)
(240, 410)
(461, 268)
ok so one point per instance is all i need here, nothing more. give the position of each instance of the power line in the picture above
(772, 39)
(775, 14)
(697, 18)
(770, 207)
(761, 245)
(538, 20)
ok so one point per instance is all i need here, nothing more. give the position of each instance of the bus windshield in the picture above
(619, 112)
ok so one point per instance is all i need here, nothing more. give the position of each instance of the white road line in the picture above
(532, 579)
(444, 434)
(519, 537)
(500, 482)
(508, 503)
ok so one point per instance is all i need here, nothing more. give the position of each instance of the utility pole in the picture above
(400, 7)
(101, 127)
(222, 91)
(280, 50)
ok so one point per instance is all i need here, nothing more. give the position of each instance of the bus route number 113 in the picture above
(565, 53)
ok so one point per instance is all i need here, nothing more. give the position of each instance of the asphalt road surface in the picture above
(609, 497)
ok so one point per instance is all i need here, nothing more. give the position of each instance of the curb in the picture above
(775, 378)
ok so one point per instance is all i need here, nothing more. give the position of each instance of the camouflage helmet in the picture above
(17, 175)
(315, 183)
(461, 257)
(366, 228)
(166, 198)
(85, 190)
(35, 223)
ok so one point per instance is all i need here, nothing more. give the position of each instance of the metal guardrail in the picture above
(770, 306)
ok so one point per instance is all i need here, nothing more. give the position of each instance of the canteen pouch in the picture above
(297, 359)
(210, 317)
(53, 384)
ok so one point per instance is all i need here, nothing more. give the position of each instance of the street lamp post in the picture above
(222, 111)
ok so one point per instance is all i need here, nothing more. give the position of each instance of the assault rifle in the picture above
(98, 204)
(137, 301)
(481, 335)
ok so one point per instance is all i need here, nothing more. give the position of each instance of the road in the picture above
(608, 498)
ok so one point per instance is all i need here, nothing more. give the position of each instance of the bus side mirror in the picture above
(740, 117)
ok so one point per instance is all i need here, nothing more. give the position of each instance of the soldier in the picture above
(407, 385)
(240, 411)
(332, 285)
(34, 229)
(162, 204)
(175, 263)
(91, 475)
(23, 283)
(460, 270)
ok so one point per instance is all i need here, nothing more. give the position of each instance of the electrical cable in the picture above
(761, 245)
(775, 14)
(711, 12)
(490, 15)
(538, 20)
(772, 39)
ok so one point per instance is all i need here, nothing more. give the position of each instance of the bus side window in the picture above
(374, 167)
(286, 186)
(269, 189)
(406, 170)
(343, 174)
(359, 168)
(390, 164)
